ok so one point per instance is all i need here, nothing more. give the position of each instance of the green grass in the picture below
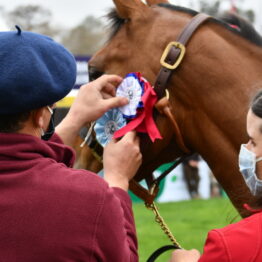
(189, 222)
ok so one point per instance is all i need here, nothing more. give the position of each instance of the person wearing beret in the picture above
(50, 212)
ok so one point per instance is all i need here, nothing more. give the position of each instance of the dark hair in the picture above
(13, 123)
(256, 104)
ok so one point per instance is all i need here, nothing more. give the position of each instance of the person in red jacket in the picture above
(241, 241)
(50, 212)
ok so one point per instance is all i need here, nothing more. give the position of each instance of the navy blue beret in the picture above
(35, 71)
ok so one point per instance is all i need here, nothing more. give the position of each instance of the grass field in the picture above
(189, 222)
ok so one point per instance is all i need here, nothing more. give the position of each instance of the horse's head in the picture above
(139, 35)
(209, 92)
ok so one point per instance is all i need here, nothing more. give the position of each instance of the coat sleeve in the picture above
(115, 234)
(215, 249)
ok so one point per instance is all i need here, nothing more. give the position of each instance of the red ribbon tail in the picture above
(144, 122)
(132, 125)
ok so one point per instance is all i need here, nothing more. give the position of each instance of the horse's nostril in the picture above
(94, 73)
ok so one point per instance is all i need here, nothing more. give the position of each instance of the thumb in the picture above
(115, 102)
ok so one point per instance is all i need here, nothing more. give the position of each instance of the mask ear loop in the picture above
(258, 159)
(50, 110)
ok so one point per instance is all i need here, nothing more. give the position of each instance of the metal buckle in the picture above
(179, 59)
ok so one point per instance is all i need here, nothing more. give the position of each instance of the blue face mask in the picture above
(247, 166)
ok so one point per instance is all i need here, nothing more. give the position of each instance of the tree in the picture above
(31, 18)
(209, 8)
(86, 38)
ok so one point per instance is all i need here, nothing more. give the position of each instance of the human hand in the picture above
(96, 98)
(121, 160)
(182, 255)
(193, 163)
(92, 101)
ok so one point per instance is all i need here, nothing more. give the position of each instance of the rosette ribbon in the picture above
(106, 125)
(143, 121)
(132, 87)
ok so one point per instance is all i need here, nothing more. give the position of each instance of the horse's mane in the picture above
(245, 29)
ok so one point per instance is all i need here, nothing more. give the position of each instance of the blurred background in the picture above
(81, 25)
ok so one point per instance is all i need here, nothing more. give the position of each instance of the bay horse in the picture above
(209, 92)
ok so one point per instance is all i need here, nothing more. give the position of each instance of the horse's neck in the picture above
(214, 85)
(211, 95)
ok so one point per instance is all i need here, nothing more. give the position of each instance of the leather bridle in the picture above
(170, 60)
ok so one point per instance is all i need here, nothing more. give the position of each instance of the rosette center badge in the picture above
(132, 89)
(106, 125)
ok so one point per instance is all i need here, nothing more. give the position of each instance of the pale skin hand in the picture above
(121, 160)
(92, 101)
(181, 255)
(193, 163)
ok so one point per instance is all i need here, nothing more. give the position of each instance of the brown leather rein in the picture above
(170, 60)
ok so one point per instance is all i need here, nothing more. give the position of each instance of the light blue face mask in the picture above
(247, 166)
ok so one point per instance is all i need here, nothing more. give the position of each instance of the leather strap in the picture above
(159, 87)
(160, 251)
(164, 73)
(163, 106)
(149, 195)
(92, 143)
(143, 193)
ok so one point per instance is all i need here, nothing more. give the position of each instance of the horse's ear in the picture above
(127, 8)
(155, 2)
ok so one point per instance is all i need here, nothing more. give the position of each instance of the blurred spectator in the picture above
(191, 176)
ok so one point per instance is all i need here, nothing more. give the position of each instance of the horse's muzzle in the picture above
(94, 73)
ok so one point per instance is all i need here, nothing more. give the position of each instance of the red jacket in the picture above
(50, 212)
(239, 242)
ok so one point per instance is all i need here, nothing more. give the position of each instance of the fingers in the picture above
(105, 81)
(192, 255)
(109, 89)
(131, 137)
(115, 102)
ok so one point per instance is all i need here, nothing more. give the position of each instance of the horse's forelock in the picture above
(115, 22)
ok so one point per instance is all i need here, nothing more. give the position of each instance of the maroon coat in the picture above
(239, 242)
(50, 212)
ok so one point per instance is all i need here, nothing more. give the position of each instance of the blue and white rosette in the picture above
(131, 88)
(106, 125)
